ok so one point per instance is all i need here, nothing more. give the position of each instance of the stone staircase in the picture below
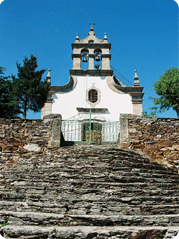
(87, 192)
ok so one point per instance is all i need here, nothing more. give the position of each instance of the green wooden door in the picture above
(92, 134)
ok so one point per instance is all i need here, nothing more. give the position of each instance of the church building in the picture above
(94, 97)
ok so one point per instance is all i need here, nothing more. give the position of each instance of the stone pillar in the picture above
(137, 106)
(137, 96)
(105, 61)
(124, 131)
(47, 109)
(76, 61)
(56, 128)
(91, 61)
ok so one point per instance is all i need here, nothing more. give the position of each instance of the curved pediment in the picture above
(64, 88)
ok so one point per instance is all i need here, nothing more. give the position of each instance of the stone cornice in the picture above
(76, 72)
(93, 110)
(106, 56)
(91, 45)
(136, 94)
(49, 100)
(75, 55)
(137, 101)
(119, 88)
(130, 89)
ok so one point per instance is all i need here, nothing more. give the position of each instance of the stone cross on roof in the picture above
(92, 23)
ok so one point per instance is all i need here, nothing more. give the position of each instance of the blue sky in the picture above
(144, 36)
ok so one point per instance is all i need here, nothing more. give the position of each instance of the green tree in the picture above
(29, 87)
(9, 107)
(152, 114)
(167, 87)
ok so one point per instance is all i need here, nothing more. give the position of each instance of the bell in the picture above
(85, 58)
(97, 67)
(97, 58)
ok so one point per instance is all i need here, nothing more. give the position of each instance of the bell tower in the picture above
(94, 52)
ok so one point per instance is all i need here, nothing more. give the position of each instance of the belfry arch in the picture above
(84, 58)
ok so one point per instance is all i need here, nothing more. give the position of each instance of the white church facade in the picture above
(94, 98)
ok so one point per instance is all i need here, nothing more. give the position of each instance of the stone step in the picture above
(120, 180)
(84, 166)
(55, 169)
(86, 189)
(76, 164)
(83, 232)
(98, 177)
(50, 219)
(46, 207)
(107, 191)
(23, 183)
(91, 196)
(86, 158)
(101, 154)
(87, 208)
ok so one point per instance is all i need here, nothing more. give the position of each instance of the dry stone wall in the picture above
(156, 137)
(21, 136)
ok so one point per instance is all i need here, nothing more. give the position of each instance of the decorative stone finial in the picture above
(136, 79)
(105, 37)
(48, 77)
(136, 76)
(77, 38)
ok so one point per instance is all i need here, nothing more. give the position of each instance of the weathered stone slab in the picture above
(32, 147)
(55, 232)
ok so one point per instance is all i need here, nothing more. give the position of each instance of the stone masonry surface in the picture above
(86, 191)
(20, 136)
(156, 137)
(17, 134)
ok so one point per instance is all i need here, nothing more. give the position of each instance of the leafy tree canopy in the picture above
(9, 107)
(29, 87)
(167, 87)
